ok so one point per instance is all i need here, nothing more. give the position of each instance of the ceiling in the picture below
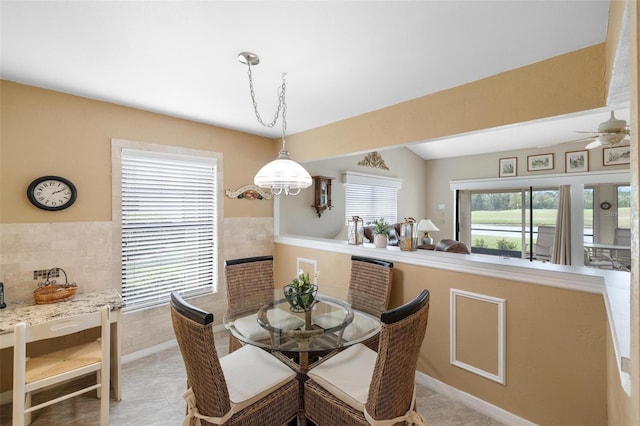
(342, 58)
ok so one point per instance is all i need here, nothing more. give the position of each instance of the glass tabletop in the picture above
(329, 324)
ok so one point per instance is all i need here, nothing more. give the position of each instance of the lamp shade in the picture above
(426, 225)
(283, 174)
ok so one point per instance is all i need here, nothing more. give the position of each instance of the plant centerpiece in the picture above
(301, 293)
(381, 233)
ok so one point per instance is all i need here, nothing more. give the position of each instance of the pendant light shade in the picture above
(283, 175)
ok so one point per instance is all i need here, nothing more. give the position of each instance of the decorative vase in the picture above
(380, 240)
(300, 300)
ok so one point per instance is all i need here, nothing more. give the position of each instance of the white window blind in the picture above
(168, 226)
(371, 197)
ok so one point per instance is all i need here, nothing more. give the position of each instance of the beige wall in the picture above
(555, 339)
(560, 85)
(46, 132)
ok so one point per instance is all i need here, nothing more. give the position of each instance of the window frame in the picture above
(372, 183)
(117, 146)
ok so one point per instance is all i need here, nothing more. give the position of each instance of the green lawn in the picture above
(541, 217)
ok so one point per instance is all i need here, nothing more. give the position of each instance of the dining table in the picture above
(301, 338)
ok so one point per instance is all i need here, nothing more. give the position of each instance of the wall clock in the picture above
(52, 193)
(605, 205)
(322, 196)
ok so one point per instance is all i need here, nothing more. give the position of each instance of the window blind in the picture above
(168, 226)
(371, 202)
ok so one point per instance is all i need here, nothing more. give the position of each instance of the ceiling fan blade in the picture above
(596, 143)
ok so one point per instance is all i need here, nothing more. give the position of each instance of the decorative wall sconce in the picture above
(249, 192)
(322, 197)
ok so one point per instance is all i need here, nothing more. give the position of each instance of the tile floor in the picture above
(152, 390)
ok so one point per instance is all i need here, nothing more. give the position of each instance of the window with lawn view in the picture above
(500, 220)
(624, 206)
(168, 226)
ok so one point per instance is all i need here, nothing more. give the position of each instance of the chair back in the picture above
(622, 237)
(249, 282)
(543, 247)
(452, 246)
(392, 385)
(31, 374)
(370, 284)
(193, 328)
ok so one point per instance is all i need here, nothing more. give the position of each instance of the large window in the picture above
(501, 220)
(371, 197)
(168, 226)
(624, 206)
(588, 232)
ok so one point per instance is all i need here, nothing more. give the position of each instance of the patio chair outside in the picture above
(543, 247)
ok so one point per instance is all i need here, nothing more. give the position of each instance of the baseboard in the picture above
(471, 401)
(151, 350)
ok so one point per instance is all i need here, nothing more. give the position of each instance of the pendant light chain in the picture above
(282, 106)
(282, 175)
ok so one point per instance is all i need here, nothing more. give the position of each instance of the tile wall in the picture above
(84, 251)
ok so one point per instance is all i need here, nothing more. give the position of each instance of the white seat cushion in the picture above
(347, 375)
(278, 318)
(361, 324)
(251, 374)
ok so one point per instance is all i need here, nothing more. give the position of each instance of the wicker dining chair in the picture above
(247, 387)
(370, 288)
(358, 383)
(250, 285)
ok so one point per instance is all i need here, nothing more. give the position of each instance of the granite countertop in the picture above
(82, 303)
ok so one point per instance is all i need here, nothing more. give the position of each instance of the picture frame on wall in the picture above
(508, 167)
(613, 156)
(577, 161)
(539, 162)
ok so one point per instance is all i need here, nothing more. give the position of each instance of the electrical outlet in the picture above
(41, 274)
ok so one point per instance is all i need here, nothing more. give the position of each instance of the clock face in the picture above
(52, 193)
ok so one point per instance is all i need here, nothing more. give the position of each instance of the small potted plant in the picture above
(301, 293)
(381, 233)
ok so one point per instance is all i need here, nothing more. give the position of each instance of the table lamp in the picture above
(427, 226)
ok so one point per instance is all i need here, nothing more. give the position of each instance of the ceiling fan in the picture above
(610, 132)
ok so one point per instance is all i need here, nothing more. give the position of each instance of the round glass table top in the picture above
(329, 324)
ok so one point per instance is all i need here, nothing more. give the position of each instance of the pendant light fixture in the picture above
(282, 175)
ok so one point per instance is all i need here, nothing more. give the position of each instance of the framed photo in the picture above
(577, 161)
(616, 155)
(508, 167)
(539, 162)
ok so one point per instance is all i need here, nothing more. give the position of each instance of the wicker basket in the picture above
(52, 293)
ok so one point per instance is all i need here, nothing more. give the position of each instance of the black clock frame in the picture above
(36, 182)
